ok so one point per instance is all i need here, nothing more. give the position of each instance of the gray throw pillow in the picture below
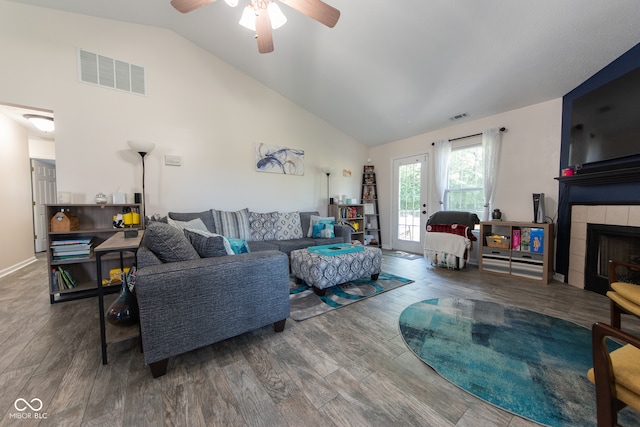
(263, 226)
(207, 246)
(206, 217)
(234, 225)
(168, 243)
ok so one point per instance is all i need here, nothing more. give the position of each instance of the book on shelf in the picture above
(71, 249)
(63, 279)
(54, 279)
(76, 241)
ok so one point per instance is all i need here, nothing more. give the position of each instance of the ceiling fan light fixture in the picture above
(248, 18)
(43, 123)
(276, 16)
(232, 3)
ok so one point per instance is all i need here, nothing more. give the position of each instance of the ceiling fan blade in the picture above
(316, 9)
(185, 6)
(263, 31)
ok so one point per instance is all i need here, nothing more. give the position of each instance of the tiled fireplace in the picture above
(624, 216)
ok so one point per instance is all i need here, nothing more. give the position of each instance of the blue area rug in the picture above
(532, 365)
(305, 303)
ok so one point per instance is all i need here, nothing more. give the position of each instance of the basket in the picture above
(64, 221)
(501, 242)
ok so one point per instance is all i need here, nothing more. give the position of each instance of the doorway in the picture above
(43, 182)
(410, 197)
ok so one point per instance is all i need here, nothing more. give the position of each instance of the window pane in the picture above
(409, 203)
(465, 187)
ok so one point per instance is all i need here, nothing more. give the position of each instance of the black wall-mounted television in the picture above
(605, 124)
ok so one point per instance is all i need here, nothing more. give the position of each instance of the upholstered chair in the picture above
(615, 374)
(624, 297)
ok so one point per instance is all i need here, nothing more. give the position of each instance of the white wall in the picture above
(529, 161)
(42, 149)
(197, 107)
(16, 247)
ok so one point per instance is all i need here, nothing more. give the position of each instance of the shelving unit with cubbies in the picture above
(95, 222)
(520, 249)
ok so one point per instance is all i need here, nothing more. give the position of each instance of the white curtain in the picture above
(491, 148)
(442, 153)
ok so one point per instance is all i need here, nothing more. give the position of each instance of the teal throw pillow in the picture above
(321, 227)
(238, 246)
(324, 229)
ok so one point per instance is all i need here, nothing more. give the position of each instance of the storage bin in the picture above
(502, 242)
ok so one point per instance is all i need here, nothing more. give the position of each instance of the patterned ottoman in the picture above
(323, 271)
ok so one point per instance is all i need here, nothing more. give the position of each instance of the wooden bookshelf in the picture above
(352, 214)
(95, 222)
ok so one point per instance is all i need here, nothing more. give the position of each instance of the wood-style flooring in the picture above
(349, 367)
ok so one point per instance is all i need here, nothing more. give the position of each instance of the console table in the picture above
(111, 333)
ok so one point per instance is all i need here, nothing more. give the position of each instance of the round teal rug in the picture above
(532, 365)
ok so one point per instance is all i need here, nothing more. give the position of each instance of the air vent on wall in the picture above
(112, 73)
(459, 116)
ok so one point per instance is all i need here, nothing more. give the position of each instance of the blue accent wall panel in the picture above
(622, 193)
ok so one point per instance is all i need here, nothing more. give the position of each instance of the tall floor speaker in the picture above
(538, 208)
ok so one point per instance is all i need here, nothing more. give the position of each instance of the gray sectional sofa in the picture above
(187, 301)
(259, 241)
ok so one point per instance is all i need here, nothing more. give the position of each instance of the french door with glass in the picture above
(409, 203)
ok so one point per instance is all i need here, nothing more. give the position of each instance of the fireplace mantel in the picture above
(614, 176)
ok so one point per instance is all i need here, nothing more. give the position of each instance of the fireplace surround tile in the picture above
(617, 215)
(579, 213)
(593, 214)
(596, 214)
(634, 216)
(578, 230)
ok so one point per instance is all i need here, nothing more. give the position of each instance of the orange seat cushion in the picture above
(626, 295)
(626, 368)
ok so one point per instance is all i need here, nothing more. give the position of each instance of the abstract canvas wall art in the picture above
(282, 160)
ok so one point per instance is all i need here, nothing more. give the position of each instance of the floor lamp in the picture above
(327, 171)
(143, 148)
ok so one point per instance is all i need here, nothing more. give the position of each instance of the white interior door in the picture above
(410, 203)
(43, 179)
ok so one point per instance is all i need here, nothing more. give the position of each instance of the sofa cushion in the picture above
(205, 216)
(329, 241)
(258, 246)
(233, 224)
(287, 246)
(207, 246)
(288, 226)
(263, 225)
(168, 243)
(321, 227)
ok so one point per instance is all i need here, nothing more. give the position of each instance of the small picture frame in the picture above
(369, 209)
(119, 198)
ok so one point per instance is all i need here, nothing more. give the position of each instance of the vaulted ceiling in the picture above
(395, 69)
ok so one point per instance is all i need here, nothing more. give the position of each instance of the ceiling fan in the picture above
(259, 15)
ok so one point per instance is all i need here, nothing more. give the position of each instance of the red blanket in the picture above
(459, 229)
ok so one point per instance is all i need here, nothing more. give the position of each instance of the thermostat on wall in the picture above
(170, 160)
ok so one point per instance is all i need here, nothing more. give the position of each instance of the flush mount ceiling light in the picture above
(262, 16)
(43, 123)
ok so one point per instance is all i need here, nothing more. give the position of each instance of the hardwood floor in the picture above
(349, 367)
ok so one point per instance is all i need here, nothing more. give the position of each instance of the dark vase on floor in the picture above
(124, 310)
